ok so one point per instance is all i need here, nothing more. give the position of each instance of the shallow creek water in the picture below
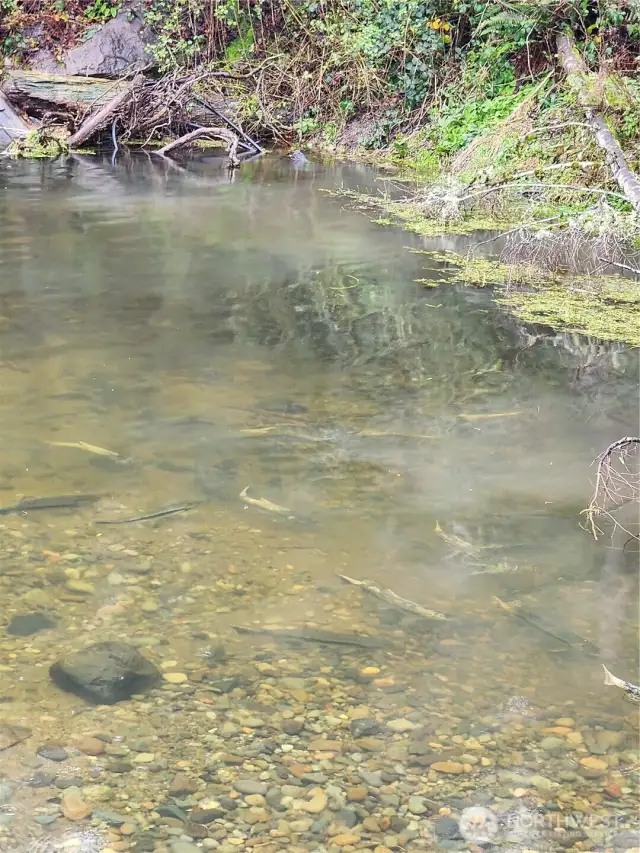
(217, 335)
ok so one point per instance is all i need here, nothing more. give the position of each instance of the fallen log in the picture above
(33, 87)
(98, 120)
(201, 133)
(588, 98)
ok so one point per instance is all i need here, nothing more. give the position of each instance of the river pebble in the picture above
(292, 748)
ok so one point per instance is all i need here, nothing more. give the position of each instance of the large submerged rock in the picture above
(105, 673)
(119, 47)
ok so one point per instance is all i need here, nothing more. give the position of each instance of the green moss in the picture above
(411, 218)
(606, 307)
(591, 314)
(38, 144)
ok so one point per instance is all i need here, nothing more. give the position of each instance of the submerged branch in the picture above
(206, 132)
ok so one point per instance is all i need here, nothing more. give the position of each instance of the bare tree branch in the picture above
(202, 132)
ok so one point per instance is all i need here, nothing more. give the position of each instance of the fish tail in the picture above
(611, 680)
(243, 493)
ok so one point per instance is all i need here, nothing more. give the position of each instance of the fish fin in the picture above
(611, 680)
(243, 493)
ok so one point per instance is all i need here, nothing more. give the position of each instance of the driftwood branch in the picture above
(206, 132)
(578, 80)
(103, 117)
(617, 483)
(620, 266)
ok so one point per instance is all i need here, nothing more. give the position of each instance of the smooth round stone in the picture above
(550, 744)
(401, 725)
(91, 746)
(29, 623)
(80, 587)
(144, 758)
(42, 779)
(417, 805)
(347, 817)
(447, 828)
(175, 677)
(45, 819)
(250, 786)
(179, 846)
(104, 673)
(53, 752)
(541, 783)
(144, 844)
(364, 727)
(112, 818)
(371, 777)
(64, 782)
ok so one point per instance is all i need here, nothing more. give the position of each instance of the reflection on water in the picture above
(168, 338)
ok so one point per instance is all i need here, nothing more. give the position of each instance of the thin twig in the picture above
(257, 148)
(518, 228)
(614, 488)
(620, 266)
(498, 187)
(557, 166)
(536, 130)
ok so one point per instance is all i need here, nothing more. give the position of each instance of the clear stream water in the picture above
(217, 335)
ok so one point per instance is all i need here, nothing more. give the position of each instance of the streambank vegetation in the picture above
(522, 117)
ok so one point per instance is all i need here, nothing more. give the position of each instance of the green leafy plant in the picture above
(102, 10)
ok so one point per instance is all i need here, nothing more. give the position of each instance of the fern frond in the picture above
(505, 18)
